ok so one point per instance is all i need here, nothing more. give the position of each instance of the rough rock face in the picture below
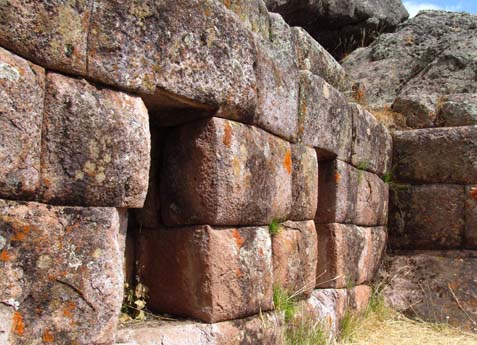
(22, 88)
(471, 217)
(430, 54)
(213, 274)
(62, 281)
(457, 110)
(339, 25)
(95, 145)
(222, 172)
(433, 287)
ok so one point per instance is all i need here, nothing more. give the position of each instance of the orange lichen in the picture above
(47, 336)
(18, 325)
(238, 273)
(287, 162)
(227, 134)
(238, 238)
(4, 256)
(473, 193)
(68, 309)
(337, 177)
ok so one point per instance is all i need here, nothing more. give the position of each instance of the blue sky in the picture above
(414, 6)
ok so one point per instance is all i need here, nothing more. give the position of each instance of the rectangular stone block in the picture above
(372, 142)
(457, 110)
(61, 272)
(212, 274)
(436, 155)
(52, 34)
(427, 217)
(221, 172)
(470, 241)
(348, 254)
(95, 145)
(22, 89)
(295, 251)
(349, 195)
(311, 56)
(304, 183)
(325, 121)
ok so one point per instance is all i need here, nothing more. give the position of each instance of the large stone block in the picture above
(295, 251)
(372, 142)
(61, 271)
(95, 145)
(372, 200)
(50, 33)
(22, 88)
(427, 217)
(457, 110)
(437, 155)
(304, 183)
(348, 254)
(213, 274)
(325, 121)
(311, 56)
(221, 172)
(266, 329)
(470, 217)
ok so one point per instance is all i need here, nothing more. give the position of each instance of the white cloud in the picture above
(413, 7)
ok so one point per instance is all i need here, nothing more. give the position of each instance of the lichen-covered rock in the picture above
(437, 155)
(22, 88)
(325, 121)
(427, 217)
(295, 251)
(418, 110)
(61, 271)
(221, 172)
(212, 274)
(470, 217)
(304, 183)
(372, 200)
(253, 13)
(52, 34)
(348, 254)
(433, 288)
(430, 54)
(457, 110)
(266, 329)
(95, 145)
(372, 142)
(311, 56)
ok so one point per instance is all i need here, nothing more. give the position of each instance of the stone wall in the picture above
(210, 121)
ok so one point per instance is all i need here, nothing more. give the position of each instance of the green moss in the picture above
(275, 227)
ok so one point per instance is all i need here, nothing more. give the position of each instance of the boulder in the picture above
(22, 90)
(418, 110)
(221, 172)
(295, 251)
(212, 274)
(341, 26)
(430, 54)
(61, 273)
(457, 110)
(95, 145)
(470, 241)
(427, 217)
(437, 155)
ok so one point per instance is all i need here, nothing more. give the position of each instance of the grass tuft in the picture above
(275, 227)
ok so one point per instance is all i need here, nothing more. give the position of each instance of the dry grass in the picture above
(389, 118)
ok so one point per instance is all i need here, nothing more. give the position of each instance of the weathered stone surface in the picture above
(372, 142)
(372, 200)
(295, 251)
(457, 110)
(61, 269)
(427, 217)
(6, 322)
(95, 145)
(253, 13)
(325, 121)
(433, 288)
(304, 183)
(197, 50)
(265, 329)
(52, 34)
(337, 193)
(437, 155)
(221, 172)
(430, 54)
(22, 88)
(213, 274)
(348, 254)
(418, 110)
(470, 217)
(311, 56)
(341, 26)
(359, 297)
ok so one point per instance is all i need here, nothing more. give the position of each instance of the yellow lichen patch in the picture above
(239, 240)
(287, 162)
(89, 168)
(47, 337)
(4, 256)
(227, 134)
(18, 325)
